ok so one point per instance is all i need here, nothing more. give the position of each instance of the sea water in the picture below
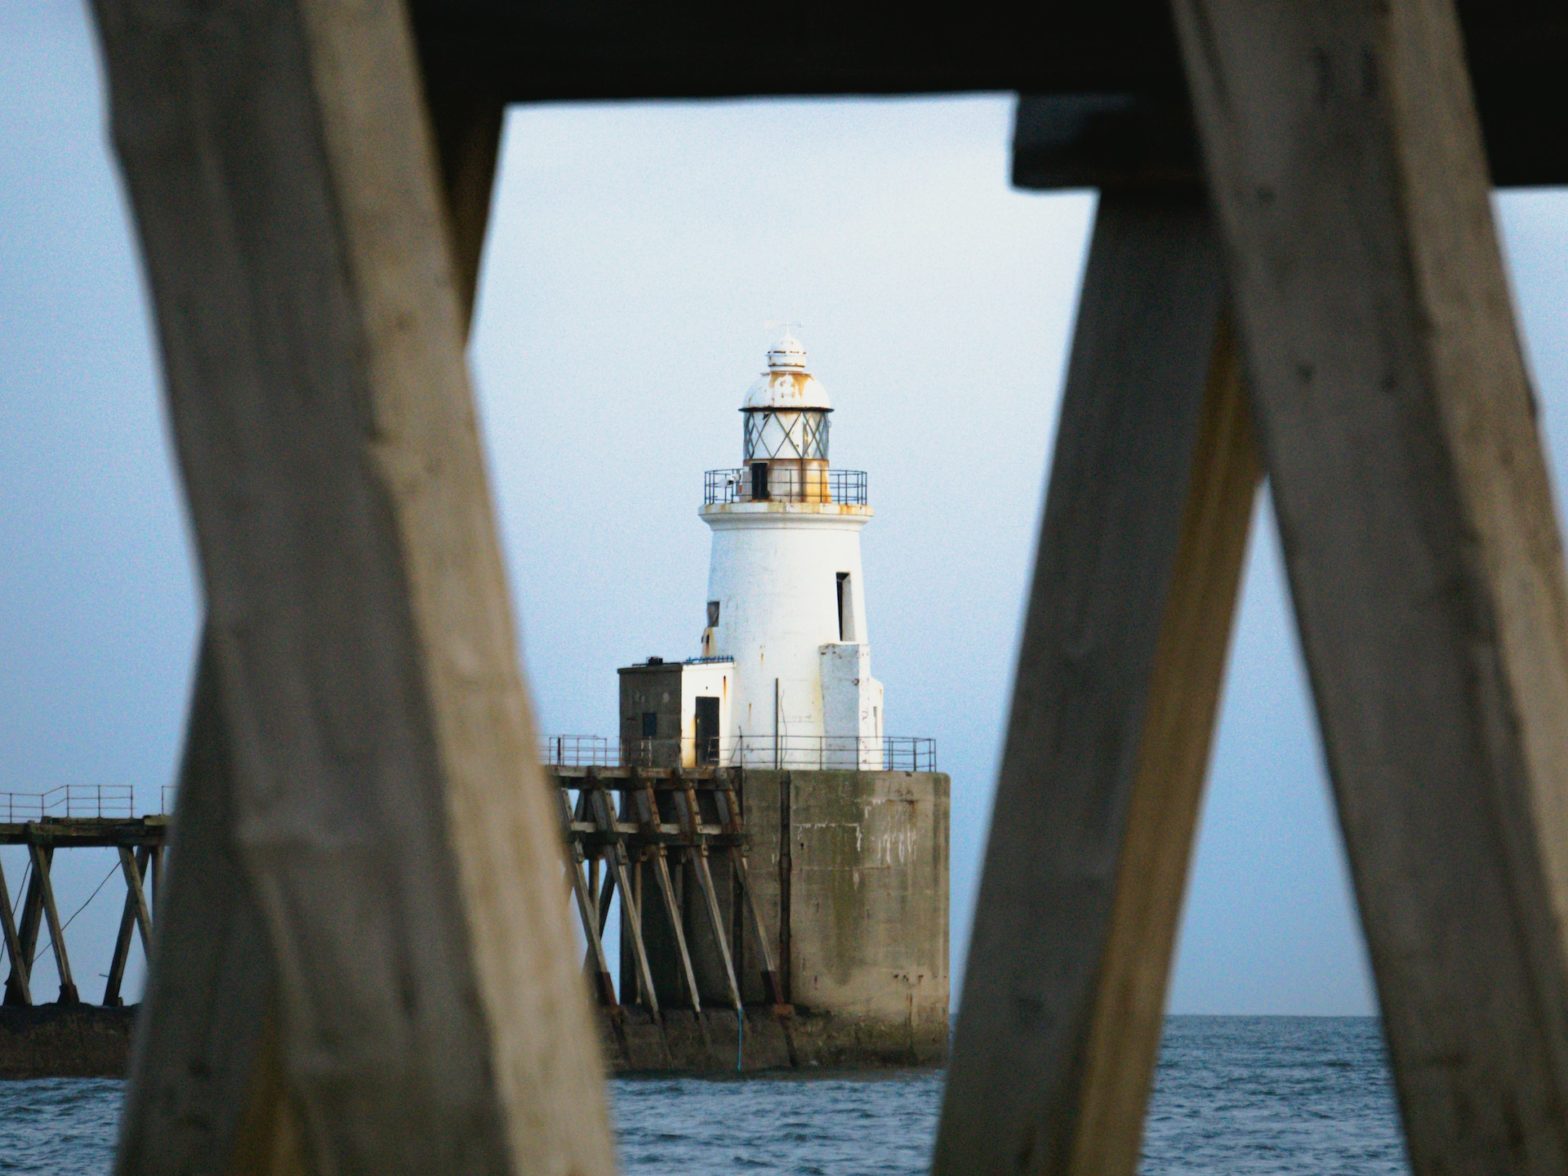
(1257, 1096)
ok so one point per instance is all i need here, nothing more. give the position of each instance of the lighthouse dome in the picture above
(786, 386)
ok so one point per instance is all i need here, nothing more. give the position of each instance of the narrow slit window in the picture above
(843, 599)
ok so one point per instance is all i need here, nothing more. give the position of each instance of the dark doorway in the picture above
(759, 481)
(707, 730)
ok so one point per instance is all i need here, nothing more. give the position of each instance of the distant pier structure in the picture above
(784, 854)
(71, 1030)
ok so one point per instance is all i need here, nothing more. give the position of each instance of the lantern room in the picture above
(785, 444)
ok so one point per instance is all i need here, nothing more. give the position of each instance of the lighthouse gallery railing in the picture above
(843, 486)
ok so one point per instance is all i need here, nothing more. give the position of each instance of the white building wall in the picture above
(851, 708)
(703, 679)
(774, 574)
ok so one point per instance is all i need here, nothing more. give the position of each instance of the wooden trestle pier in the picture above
(645, 833)
(641, 832)
(140, 843)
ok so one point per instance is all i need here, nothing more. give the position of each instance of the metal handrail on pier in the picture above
(69, 801)
(888, 753)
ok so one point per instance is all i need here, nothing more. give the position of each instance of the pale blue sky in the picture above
(636, 254)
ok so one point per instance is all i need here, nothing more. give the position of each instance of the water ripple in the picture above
(1249, 1096)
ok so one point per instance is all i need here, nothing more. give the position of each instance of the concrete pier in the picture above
(850, 871)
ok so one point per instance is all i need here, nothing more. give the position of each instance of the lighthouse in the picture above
(786, 594)
(783, 674)
(846, 828)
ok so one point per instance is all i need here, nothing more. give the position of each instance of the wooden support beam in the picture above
(62, 961)
(466, 122)
(152, 869)
(759, 929)
(208, 1124)
(115, 977)
(132, 869)
(1150, 498)
(689, 816)
(606, 897)
(281, 166)
(698, 858)
(631, 911)
(1110, 69)
(19, 981)
(13, 948)
(122, 939)
(647, 809)
(206, 1090)
(672, 910)
(604, 984)
(1419, 534)
(730, 821)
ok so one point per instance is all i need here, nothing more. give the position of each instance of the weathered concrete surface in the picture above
(867, 913)
(770, 1042)
(65, 1041)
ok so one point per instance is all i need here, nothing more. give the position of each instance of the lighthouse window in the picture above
(713, 614)
(814, 429)
(843, 591)
(650, 724)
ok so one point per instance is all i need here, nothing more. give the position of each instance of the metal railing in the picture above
(786, 484)
(890, 753)
(68, 801)
(580, 751)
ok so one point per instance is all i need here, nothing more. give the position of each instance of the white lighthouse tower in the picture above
(845, 827)
(786, 596)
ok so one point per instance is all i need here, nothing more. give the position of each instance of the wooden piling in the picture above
(20, 978)
(13, 946)
(604, 985)
(698, 858)
(648, 818)
(129, 922)
(1139, 559)
(42, 864)
(131, 868)
(283, 170)
(1420, 537)
(631, 911)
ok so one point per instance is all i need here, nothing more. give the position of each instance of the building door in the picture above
(707, 730)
